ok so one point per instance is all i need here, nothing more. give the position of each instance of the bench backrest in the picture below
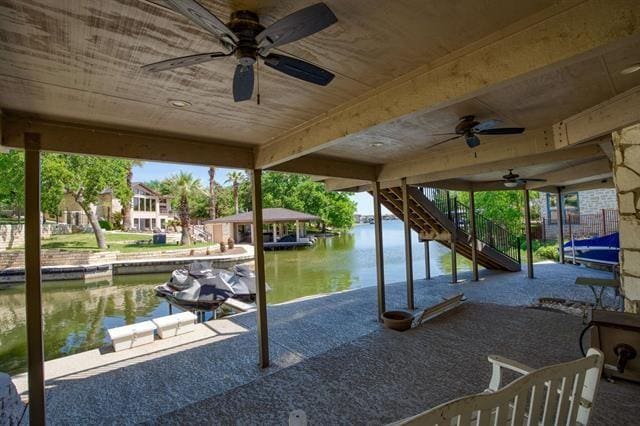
(560, 394)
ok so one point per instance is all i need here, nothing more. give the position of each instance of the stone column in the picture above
(626, 176)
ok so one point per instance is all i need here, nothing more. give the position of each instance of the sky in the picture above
(157, 171)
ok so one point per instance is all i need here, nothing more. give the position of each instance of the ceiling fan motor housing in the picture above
(246, 26)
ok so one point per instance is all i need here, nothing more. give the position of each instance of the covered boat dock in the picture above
(282, 228)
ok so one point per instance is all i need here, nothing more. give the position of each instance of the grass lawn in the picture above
(117, 241)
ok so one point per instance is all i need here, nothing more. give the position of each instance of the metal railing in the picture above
(487, 230)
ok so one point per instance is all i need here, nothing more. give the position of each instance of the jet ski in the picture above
(200, 287)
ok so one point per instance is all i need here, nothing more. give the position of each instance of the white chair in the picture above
(560, 394)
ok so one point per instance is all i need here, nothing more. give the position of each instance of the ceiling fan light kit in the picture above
(469, 128)
(249, 41)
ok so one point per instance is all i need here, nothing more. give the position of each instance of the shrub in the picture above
(535, 245)
(230, 243)
(105, 224)
(222, 247)
(547, 252)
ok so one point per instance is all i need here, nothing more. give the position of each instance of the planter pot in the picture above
(397, 320)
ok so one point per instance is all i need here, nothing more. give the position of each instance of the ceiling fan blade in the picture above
(202, 17)
(472, 141)
(502, 131)
(298, 25)
(487, 124)
(533, 180)
(444, 141)
(299, 69)
(243, 83)
(185, 61)
(444, 134)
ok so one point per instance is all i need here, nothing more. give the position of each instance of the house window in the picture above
(163, 223)
(136, 223)
(570, 207)
(153, 205)
(136, 203)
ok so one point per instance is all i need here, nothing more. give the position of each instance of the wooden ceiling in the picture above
(534, 103)
(81, 60)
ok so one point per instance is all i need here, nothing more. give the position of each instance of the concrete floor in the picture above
(330, 352)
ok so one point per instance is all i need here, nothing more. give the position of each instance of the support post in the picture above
(560, 211)
(604, 222)
(297, 231)
(258, 248)
(407, 244)
(377, 215)
(451, 204)
(427, 261)
(474, 237)
(527, 224)
(35, 346)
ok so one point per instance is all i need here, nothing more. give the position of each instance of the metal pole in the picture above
(560, 226)
(474, 237)
(427, 261)
(604, 222)
(454, 237)
(377, 215)
(35, 346)
(258, 248)
(527, 219)
(407, 244)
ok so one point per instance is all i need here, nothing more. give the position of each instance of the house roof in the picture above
(268, 216)
(146, 188)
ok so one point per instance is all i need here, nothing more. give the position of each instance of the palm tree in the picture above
(212, 193)
(126, 203)
(183, 186)
(235, 178)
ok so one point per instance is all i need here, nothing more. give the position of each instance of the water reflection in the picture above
(77, 314)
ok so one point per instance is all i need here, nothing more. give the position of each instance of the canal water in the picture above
(77, 314)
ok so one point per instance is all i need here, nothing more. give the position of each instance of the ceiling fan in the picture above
(513, 180)
(469, 128)
(249, 41)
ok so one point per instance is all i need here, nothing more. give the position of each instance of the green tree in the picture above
(184, 187)
(236, 178)
(212, 192)
(84, 178)
(504, 207)
(12, 181)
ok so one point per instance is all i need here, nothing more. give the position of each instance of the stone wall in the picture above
(12, 236)
(15, 259)
(626, 176)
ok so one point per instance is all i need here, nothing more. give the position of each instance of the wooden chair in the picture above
(560, 394)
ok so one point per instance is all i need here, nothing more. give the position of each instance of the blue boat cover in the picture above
(599, 250)
(608, 242)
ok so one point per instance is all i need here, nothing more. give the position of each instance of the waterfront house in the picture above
(149, 209)
(412, 99)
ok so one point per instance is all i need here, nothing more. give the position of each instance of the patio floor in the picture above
(332, 359)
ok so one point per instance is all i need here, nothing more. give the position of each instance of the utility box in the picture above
(159, 238)
(617, 335)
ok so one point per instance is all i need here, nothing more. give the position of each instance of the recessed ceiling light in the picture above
(631, 69)
(179, 103)
(376, 144)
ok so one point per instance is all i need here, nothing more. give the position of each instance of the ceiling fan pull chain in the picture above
(258, 81)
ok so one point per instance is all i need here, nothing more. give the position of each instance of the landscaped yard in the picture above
(117, 241)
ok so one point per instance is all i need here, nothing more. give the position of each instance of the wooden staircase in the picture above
(434, 215)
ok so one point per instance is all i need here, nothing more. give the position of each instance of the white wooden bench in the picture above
(132, 335)
(560, 394)
(173, 325)
(239, 306)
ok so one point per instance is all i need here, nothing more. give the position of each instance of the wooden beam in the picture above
(600, 183)
(555, 37)
(595, 168)
(329, 167)
(560, 210)
(601, 120)
(533, 147)
(33, 290)
(261, 287)
(74, 138)
(377, 217)
(408, 253)
(427, 261)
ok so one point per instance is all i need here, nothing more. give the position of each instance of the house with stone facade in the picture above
(585, 213)
(149, 209)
